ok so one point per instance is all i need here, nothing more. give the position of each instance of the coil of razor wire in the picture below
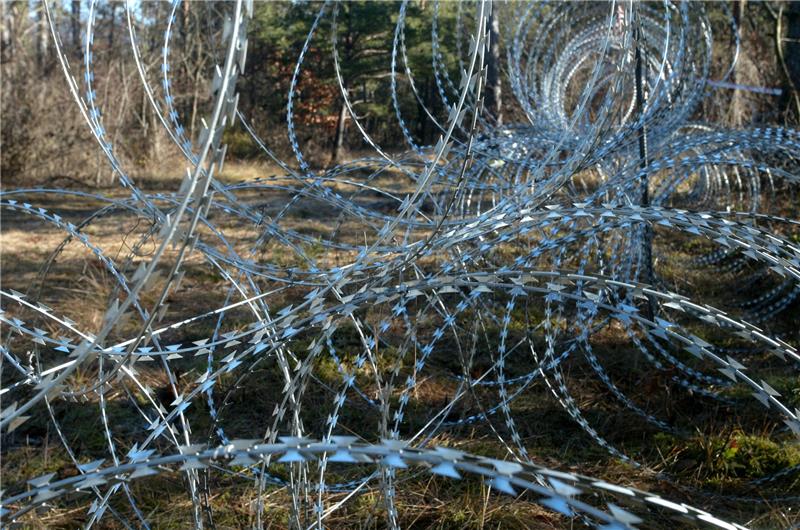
(508, 249)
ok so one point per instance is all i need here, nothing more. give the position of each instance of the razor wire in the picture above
(539, 224)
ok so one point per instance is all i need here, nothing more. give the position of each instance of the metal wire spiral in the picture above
(428, 280)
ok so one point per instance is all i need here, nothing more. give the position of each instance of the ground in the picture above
(709, 461)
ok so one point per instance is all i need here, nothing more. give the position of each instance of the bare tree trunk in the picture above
(189, 106)
(494, 90)
(112, 16)
(647, 231)
(75, 22)
(42, 38)
(10, 15)
(338, 140)
(789, 54)
(150, 131)
(184, 24)
(5, 39)
(195, 99)
(736, 99)
(197, 61)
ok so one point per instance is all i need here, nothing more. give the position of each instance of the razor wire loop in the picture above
(479, 189)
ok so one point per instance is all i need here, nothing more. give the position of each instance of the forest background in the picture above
(44, 138)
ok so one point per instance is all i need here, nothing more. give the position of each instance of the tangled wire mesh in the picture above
(501, 252)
